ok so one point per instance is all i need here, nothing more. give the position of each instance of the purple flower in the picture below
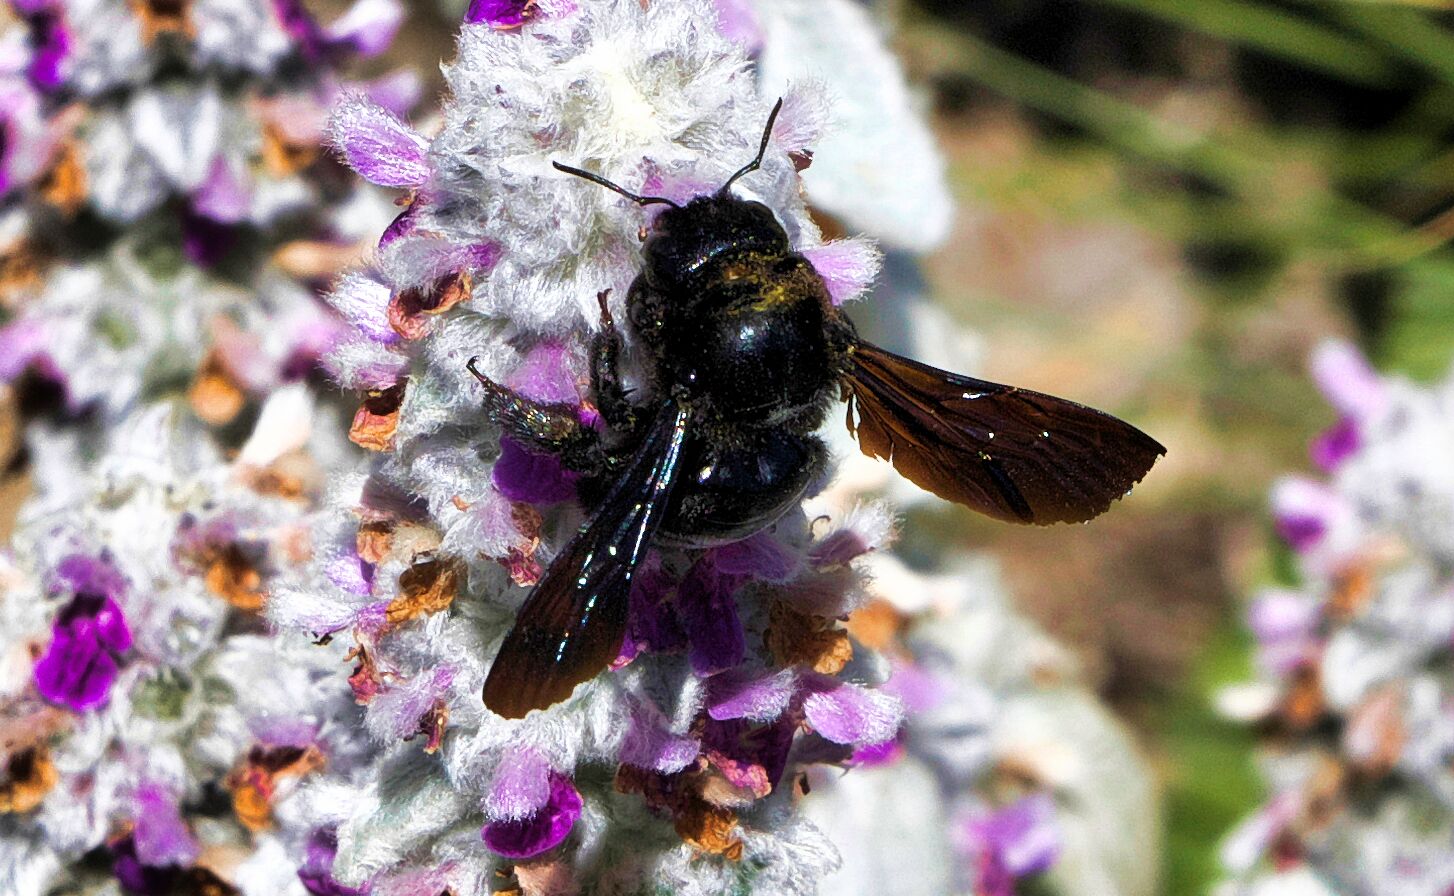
(738, 22)
(525, 476)
(1348, 381)
(137, 878)
(543, 829)
(499, 13)
(649, 745)
(366, 29)
(751, 756)
(1304, 511)
(206, 241)
(160, 836)
(1010, 843)
(317, 871)
(50, 47)
(1336, 444)
(874, 755)
(708, 612)
(848, 267)
(79, 667)
(378, 145)
(1285, 624)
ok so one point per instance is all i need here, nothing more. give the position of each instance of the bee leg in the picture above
(544, 428)
(612, 399)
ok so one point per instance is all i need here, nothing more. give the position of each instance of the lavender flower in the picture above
(88, 634)
(1355, 661)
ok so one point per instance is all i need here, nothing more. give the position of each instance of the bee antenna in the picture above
(598, 179)
(756, 163)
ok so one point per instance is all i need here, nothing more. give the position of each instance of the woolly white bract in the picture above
(1365, 805)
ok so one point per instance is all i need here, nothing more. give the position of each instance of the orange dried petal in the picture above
(216, 398)
(424, 588)
(711, 829)
(28, 776)
(796, 638)
(232, 576)
(377, 419)
(409, 310)
(283, 157)
(876, 625)
(64, 185)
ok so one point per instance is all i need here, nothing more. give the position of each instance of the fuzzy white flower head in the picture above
(1366, 641)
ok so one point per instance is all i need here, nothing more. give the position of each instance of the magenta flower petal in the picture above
(652, 623)
(545, 829)
(1303, 511)
(521, 787)
(1336, 444)
(750, 694)
(749, 755)
(316, 874)
(1016, 841)
(84, 574)
(546, 374)
(52, 49)
(760, 557)
(161, 836)
(367, 28)
(379, 146)
(848, 267)
(351, 573)
(75, 672)
(532, 478)
(920, 689)
(738, 22)
(648, 744)
(364, 302)
(848, 714)
(224, 196)
(398, 91)
(1285, 624)
(708, 613)
(499, 13)
(876, 755)
(1347, 380)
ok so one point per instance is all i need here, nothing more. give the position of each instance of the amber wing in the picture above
(1016, 455)
(572, 625)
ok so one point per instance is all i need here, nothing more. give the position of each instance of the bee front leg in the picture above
(612, 398)
(544, 427)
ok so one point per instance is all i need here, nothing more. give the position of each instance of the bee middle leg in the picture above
(544, 427)
(612, 398)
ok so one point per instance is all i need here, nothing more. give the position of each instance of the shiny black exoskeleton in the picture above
(742, 351)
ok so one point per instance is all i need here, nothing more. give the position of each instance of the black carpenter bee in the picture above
(743, 354)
